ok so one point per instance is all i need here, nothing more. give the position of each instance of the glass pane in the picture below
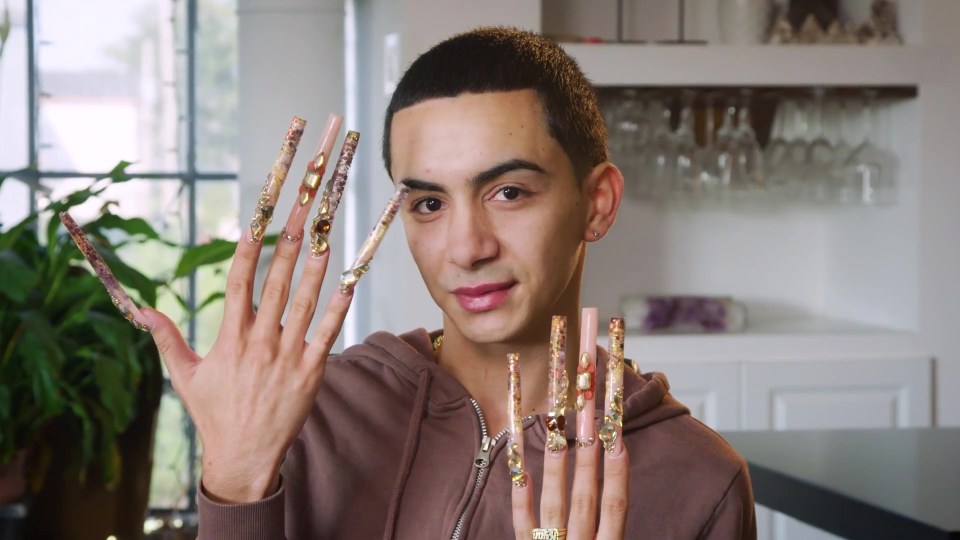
(14, 203)
(161, 203)
(217, 212)
(13, 88)
(217, 128)
(170, 483)
(109, 86)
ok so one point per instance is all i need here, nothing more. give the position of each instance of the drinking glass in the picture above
(686, 153)
(658, 156)
(820, 154)
(871, 169)
(628, 133)
(747, 165)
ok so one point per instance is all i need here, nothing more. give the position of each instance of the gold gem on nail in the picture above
(558, 386)
(361, 264)
(515, 465)
(270, 192)
(612, 427)
(332, 194)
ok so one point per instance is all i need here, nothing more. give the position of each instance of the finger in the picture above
(613, 505)
(349, 279)
(327, 330)
(174, 351)
(332, 194)
(238, 298)
(615, 500)
(293, 230)
(583, 498)
(304, 303)
(523, 520)
(238, 308)
(553, 498)
(522, 493)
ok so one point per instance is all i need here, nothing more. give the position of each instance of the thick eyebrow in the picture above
(482, 178)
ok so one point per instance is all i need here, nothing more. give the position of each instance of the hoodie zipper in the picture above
(481, 462)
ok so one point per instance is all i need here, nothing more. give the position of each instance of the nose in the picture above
(471, 240)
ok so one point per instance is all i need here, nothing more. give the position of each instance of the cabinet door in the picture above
(710, 389)
(841, 394)
(837, 394)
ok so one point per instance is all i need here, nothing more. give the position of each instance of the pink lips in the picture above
(484, 297)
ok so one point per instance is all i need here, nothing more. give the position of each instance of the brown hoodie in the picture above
(395, 448)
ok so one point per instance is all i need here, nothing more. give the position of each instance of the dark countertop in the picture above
(896, 483)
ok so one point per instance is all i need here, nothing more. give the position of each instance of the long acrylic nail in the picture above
(557, 386)
(611, 430)
(293, 230)
(332, 193)
(350, 277)
(587, 377)
(518, 475)
(267, 201)
(120, 298)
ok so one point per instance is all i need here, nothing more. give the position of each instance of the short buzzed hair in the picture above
(499, 59)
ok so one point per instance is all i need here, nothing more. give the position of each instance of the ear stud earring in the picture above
(596, 233)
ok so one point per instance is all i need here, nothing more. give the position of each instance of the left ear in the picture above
(603, 189)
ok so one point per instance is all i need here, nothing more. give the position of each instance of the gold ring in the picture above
(549, 534)
(288, 237)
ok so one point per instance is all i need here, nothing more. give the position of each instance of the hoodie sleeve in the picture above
(734, 518)
(259, 520)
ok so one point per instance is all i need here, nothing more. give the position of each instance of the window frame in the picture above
(189, 177)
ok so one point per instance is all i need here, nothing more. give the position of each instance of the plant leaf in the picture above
(131, 277)
(18, 278)
(217, 250)
(131, 226)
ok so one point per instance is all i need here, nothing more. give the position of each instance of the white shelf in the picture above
(609, 64)
(807, 339)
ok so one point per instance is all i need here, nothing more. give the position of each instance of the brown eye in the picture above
(428, 205)
(508, 193)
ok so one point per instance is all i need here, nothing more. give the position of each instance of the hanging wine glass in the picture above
(871, 169)
(798, 153)
(842, 191)
(658, 157)
(627, 125)
(747, 166)
(776, 154)
(709, 172)
(820, 154)
(725, 147)
(686, 153)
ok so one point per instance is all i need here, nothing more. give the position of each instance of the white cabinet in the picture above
(840, 394)
(710, 389)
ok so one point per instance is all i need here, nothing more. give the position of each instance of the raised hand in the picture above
(250, 395)
(581, 522)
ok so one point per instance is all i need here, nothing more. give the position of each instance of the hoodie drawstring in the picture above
(409, 451)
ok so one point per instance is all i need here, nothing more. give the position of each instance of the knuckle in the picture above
(302, 307)
(325, 338)
(615, 506)
(583, 504)
(274, 291)
(237, 288)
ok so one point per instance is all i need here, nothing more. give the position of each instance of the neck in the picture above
(482, 367)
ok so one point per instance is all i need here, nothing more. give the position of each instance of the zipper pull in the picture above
(483, 455)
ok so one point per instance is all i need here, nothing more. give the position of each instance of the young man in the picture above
(498, 136)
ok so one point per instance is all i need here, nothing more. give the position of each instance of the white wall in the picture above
(291, 63)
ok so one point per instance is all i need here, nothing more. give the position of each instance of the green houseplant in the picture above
(75, 377)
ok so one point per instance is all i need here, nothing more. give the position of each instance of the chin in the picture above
(495, 326)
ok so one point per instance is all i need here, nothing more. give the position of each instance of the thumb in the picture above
(174, 351)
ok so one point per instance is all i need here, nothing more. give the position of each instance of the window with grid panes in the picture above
(84, 85)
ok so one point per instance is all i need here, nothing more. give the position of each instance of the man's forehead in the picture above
(468, 132)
